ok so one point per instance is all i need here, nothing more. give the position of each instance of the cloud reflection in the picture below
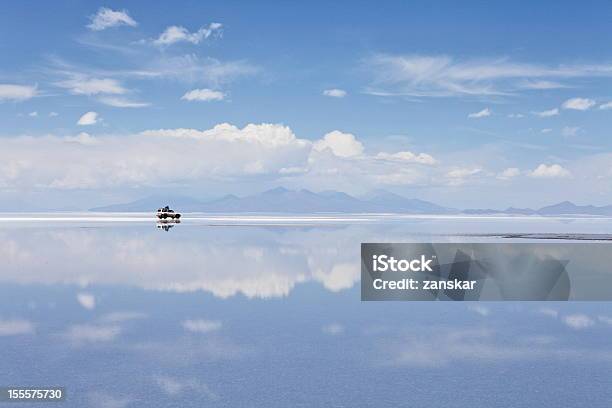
(257, 263)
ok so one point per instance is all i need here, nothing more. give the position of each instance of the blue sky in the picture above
(465, 105)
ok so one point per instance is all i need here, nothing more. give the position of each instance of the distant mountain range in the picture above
(282, 200)
(562, 208)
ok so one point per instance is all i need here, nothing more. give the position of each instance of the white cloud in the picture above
(542, 84)
(335, 93)
(15, 327)
(607, 105)
(201, 326)
(463, 172)
(191, 68)
(546, 130)
(516, 115)
(80, 85)
(569, 131)
(422, 158)
(33, 114)
(479, 309)
(580, 104)
(552, 171)
(333, 329)
(89, 118)
(10, 92)
(440, 76)
(605, 319)
(341, 144)
(509, 173)
(547, 113)
(86, 333)
(120, 317)
(481, 114)
(122, 103)
(578, 321)
(441, 348)
(83, 138)
(87, 300)
(203, 95)
(53, 114)
(175, 386)
(106, 18)
(546, 311)
(174, 34)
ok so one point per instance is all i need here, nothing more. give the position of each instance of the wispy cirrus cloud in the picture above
(445, 76)
(117, 102)
(82, 85)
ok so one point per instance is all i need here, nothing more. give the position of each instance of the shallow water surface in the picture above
(264, 311)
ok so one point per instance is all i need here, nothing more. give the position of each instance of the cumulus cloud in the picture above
(88, 118)
(480, 114)
(422, 158)
(509, 173)
(552, 171)
(578, 321)
(174, 34)
(11, 92)
(201, 326)
(442, 76)
(33, 114)
(580, 104)
(547, 113)
(203, 95)
(340, 144)
(516, 115)
(15, 327)
(53, 114)
(87, 300)
(106, 18)
(335, 93)
(196, 158)
(546, 130)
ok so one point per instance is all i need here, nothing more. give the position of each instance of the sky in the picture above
(470, 105)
